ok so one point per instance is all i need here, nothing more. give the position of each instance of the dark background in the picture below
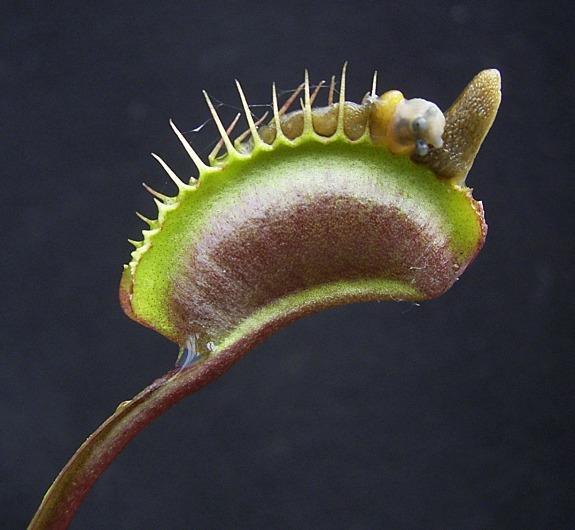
(456, 414)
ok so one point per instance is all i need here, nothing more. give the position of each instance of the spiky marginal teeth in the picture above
(175, 179)
(316, 90)
(157, 194)
(212, 157)
(202, 167)
(161, 205)
(227, 142)
(237, 148)
(452, 161)
(150, 222)
(341, 113)
(331, 91)
(307, 123)
(289, 101)
(238, 142)
(374, 85)
(249, 118)
(277, 122)
(148, 233)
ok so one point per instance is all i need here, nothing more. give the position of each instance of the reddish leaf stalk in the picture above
(71, 486)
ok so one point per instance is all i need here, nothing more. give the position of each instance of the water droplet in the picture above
(211, 346)
(188, 353)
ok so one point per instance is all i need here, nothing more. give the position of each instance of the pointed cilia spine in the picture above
(156, 194)
(202, 167)
(249, 118)
(175, 179)
(331, 91)
(242, 136)
(307, 124)
(374, 85)
(227, 142)
(277, 123)
(341, 113)
(289, 101)
(149, 222)
(135, 244)
(217, 148)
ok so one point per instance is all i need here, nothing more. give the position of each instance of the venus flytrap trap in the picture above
(315, 207)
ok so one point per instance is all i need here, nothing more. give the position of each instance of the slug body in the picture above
(321, 206)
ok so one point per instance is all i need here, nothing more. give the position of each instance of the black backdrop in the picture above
(456, 414)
